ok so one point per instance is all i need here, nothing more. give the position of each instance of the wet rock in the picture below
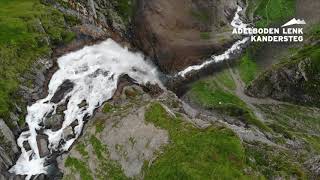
(54, 122)
(68, 133)
(42, 141)
(26, 146)
(61, 108)
(153, 89)
(62, 91)
(83, 104)
(74, 124)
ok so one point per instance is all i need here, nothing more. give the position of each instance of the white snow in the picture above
(236, 23)
(95, 71)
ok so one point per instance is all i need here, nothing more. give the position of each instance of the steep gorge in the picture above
(175, 35)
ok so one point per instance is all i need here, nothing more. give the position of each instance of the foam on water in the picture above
(94, 71)
(236, 23)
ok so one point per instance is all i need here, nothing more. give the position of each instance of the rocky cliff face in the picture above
(296, 80)
(8, 148)
(115, 15)
(183, 32)
(175, 34)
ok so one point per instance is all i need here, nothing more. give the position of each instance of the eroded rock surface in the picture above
(182, 32)
(294, 81)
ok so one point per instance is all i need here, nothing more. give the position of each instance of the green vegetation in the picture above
(306, 59)
(225, 79)
(108, 169)
(273, 162)
(202, 16)
(247, 68)
(193, 153)
(105, 167)
(205, 35)
(72, 20)
(208, 94)
(81, 148)
(292, 120)
(79, 166)
(98, 147)
(108, 108)
(125, 8)
(28, 30)
(297, 123)
(271, 11)
(99, 126)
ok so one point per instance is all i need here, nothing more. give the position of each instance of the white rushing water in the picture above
(236, 23)
(94, 71)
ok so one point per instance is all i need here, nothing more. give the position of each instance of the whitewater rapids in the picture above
(94, 72)
(235, 48)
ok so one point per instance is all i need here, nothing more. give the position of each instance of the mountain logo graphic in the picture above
(294, 21)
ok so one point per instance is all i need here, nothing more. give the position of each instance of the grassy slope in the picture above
(311, 70)
(270, 12)
(193, 153)
(214, 154)
(208, 94)
(25, 26)
(248, 68)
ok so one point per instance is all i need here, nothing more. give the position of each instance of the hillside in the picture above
(112, 115)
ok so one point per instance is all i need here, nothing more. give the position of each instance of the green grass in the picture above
(107, 168)
(209, 95)
(248, 68)
(79, 166)
(293, 118)
(108, 108)
(273, 162)
(202, 16)
(98, 147)
(307, 58)
(271, 11)
(125, 8)
(25, 27)
(193, 153)
(99, 126)
(81, 148)
(225, 79)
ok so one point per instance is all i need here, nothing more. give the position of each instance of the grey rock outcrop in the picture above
(8, 148)
(294, 81)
